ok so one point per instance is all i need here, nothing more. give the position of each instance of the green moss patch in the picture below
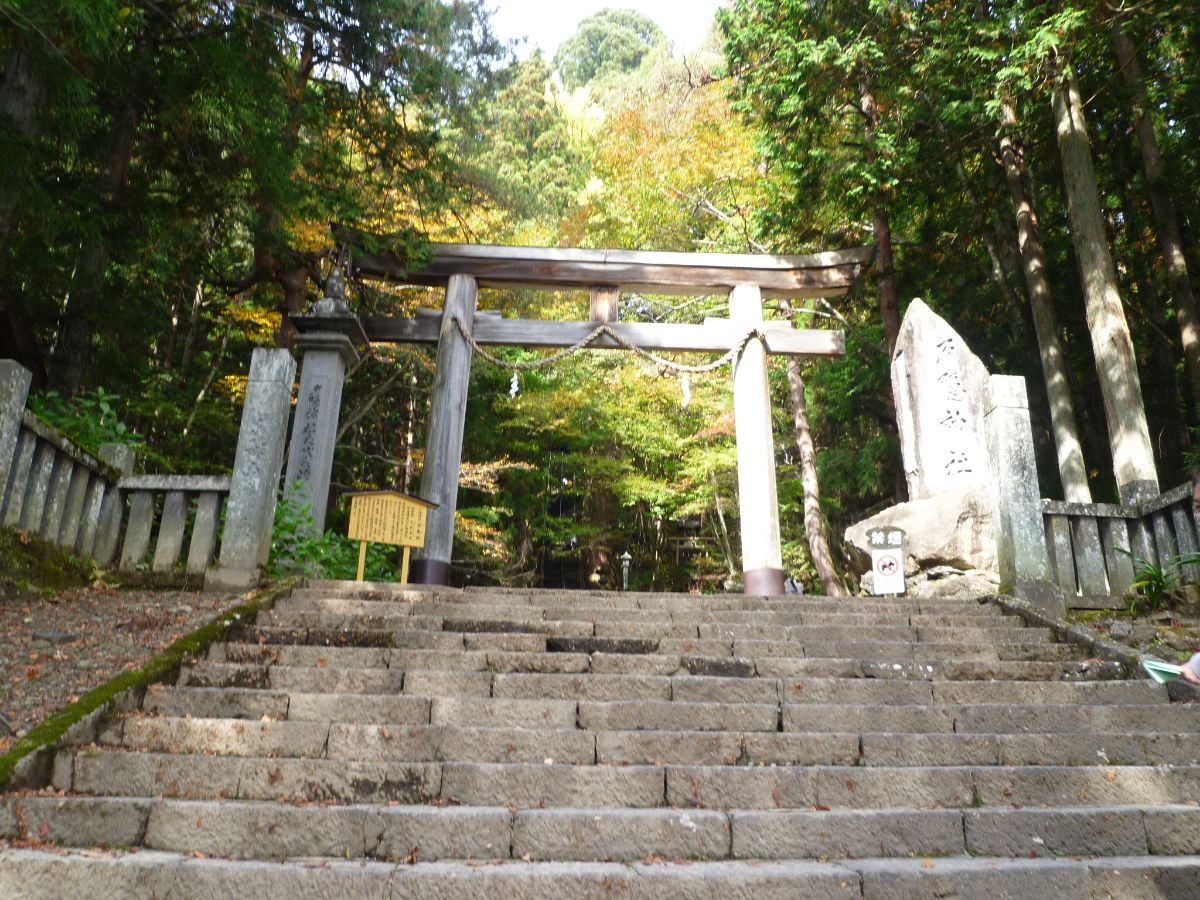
(164, 666)
(34, 567)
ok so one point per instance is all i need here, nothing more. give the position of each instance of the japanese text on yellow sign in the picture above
(387, 518)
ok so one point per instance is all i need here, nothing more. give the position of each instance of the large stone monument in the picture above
(973, 521)
(939, 386)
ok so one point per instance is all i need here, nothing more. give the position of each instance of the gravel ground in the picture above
(54, 651)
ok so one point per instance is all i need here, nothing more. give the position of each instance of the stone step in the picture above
(364, 737)
(900, 704)
(119, 773)
(249, 830)
(617, 600)
(992, 718)
(610, 675)
(326, 622)
(700, 657)
(45, 875)
(905, 651)
(559, 783)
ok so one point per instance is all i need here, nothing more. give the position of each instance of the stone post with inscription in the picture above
(1021, 552)
(257, 465)
(314, 429)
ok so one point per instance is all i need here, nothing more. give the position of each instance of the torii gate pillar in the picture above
(762, 553)
(443, 443)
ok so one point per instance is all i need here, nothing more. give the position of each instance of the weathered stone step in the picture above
(249, 830)
(362, 735)
(335, 614)
(1001, 629)
(954, 660)
(322, 637)
(618, 600)
(991, 718)
(1062, 749)
(559, 783)
(340, 613)
(43, 875)
(119, 773)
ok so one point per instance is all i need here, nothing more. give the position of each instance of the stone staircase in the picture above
(374, 742)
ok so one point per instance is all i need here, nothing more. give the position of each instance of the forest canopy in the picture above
(172, 170)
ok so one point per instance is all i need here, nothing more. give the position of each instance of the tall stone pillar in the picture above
(443, 443)
(762, 554)
(314, 428)
(257, 465)
(1021, 552)
(14, 391)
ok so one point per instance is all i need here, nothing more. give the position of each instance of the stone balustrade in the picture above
(1095, 547)
(93, 505)
(169, 512)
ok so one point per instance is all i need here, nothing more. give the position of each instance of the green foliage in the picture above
(89, 419)
(296, 548)
(609, 43)
(1151, 583)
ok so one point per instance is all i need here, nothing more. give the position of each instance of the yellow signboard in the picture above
(387, 517)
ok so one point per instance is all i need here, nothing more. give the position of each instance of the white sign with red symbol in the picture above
(887, 560)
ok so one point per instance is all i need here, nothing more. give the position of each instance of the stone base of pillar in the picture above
(225, 580)
(763, 582)
(429, 571)
(1045, 596)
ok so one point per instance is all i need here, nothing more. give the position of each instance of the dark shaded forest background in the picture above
(171, 170)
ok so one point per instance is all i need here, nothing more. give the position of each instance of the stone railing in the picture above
(93, 505)
(175, 510)
(1095, 547)
(58, 491)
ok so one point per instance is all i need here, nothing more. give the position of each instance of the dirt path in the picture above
(53, 651)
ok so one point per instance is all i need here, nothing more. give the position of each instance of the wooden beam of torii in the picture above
(747, 279)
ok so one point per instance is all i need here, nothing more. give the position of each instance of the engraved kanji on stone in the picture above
(958, 463)
(953, 383)
(954, 420)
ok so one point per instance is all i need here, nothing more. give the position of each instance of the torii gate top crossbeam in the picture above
(825, 274)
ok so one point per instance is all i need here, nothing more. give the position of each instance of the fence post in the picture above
(257, 465)
(14, 392)
(1020, 534)
(110, 509)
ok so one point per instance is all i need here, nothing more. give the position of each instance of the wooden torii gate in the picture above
(747, 279)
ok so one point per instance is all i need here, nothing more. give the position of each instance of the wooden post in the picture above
(604, 304)
(762, 553)
(404, 565)
(362, 560)
(443, 443)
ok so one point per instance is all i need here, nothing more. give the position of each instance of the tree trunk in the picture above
(814, 522)
(21, 98)
(722, 530)
(72, 347)
(1071, 467)
(1120, 387)
(193, 329)
(885, 269)
(1166, 221)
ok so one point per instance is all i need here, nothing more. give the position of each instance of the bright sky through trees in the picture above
(546, 25)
